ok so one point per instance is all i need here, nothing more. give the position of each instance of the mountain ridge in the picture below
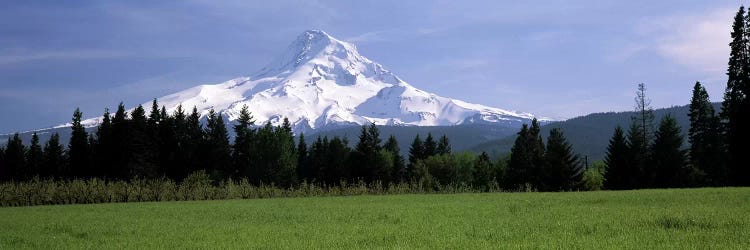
(322, 83)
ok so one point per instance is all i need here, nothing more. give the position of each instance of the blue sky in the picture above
(559, 59)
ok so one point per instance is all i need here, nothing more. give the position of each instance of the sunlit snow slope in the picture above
(321, 82)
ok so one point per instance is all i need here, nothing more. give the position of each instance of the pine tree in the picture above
(33, 157)
(216, 145)
(562, 168)
(736, 107)
(536, 151)
(242, 143)
(167, 144)
(192, 139)
(53, 162)
(483, 173)
(366, 163)
(706, 149)
(104, 148)
(78, 148)
(154, 117)
(304, 172)
(399, 165)
(154, 143)
(639, 176)
(640, 136)
(444, 146)
(287, 155)
(15, 160)
(121, 149)
(141, 161)
(668, 158)
(619, 172)
(314, 171)
(337, 157)
(520, 162)
(430, 146)
(416, 153)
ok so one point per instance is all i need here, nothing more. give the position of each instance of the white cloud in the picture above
(697, 41)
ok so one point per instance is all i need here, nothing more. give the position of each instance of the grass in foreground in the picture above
(676, 219)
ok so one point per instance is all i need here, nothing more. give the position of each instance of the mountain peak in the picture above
(320, 82)
(310, 35)
(310, 45)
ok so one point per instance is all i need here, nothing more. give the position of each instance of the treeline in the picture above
(171, 146)
(717, 155)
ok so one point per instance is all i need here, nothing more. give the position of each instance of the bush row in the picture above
(197, 186)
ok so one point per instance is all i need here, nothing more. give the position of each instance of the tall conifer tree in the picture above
(735, 110)
(78, 148)
(15, 160)
(620, 173)
(399, 166)
(430, 146)
(668, 158)
(562, 168)
(521, 161)
(242, 143)
(706, 147)
(33, 157)
(416, 153)
(216, 144)
(444, 146)
(53, 161)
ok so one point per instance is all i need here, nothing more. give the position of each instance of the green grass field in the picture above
(716, 218)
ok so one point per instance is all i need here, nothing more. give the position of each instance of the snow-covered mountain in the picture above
(321, 82)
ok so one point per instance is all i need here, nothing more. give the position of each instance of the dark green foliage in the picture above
(430, 146)
(53, 161)
(525, 167)
(416, 153)
(274, 158)
(735, 111)
(217, 160)
(142, 149)
(304, 170)
(287, 155)
(619, 173)
(78, 148)
(192, 140)
(593, 176)
(536, 146)
(668, 158)
(520, 162)
(562, 167)
(329, 161)
(242, 150)
(644, 119)
(33, 158)
(706, 147)
(440, 169)
(398, 174)
(640, 175)
(104, 148)
(640, 137)
(368, 165)
(120, 144)
(14, 158)
(444, 145)
(483, 174)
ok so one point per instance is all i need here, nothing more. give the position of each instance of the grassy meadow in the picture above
(715, 218)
